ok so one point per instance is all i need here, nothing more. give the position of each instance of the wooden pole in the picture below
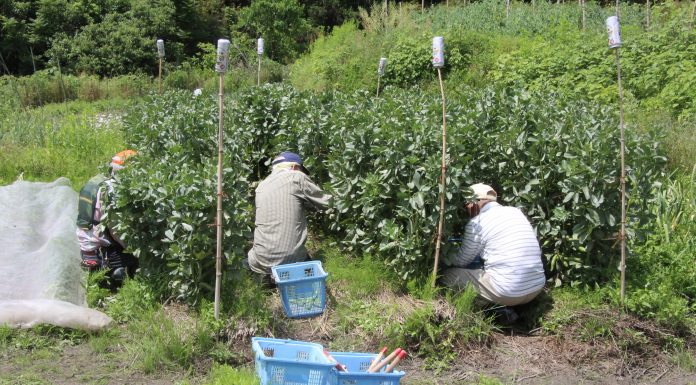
(62, 84)
(584, 13)
(647, 14)
(507, 9)
(693, 12)
(622, 234)
(160, 75)
(378, 77)
(33, 64)
(218, 220)
(258, 73)
(442, 178)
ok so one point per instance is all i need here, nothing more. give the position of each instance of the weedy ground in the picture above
(566, 336)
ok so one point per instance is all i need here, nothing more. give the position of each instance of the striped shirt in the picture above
(505, 240)
(281, 225)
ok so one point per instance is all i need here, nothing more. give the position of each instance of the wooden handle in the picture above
(378, 358)
(384, 362)
(398, 358)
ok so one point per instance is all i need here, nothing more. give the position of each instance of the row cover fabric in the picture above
(40, 276)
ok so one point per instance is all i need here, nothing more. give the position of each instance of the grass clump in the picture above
(74, 140)
(226, 375)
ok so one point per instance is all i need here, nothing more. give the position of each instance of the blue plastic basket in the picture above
(357, 364)
(302, 288)
(287, 362)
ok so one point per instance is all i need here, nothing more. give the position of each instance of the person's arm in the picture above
(314, 197)
(472, 245)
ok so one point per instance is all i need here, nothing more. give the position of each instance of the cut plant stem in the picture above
(442, 178)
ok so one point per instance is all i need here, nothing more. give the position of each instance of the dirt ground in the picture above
(511, 356)
(512, 359)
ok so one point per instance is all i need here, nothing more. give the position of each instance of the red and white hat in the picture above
(118, 161)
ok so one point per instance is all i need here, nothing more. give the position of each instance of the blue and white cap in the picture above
(290, 157)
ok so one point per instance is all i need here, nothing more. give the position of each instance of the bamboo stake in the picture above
(160, 75)
(622, 235)
(693, 12)
(33, 64)
(62, 84)
(647, 14)
(613, 29)
(380, 71)
(259, 51)
(218, 220)
(507, 9)
(221, 68)
(442, 178)
(584, 13)
(160, 53)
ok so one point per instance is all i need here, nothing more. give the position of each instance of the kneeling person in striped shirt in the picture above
(281, 224)
(510, 271)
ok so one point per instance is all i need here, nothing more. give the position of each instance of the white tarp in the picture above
(40, 276)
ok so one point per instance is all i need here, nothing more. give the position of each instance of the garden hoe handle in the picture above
(384, 362)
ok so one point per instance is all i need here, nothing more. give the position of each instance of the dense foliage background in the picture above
(114, 37)
(532, 109)
(550, 155)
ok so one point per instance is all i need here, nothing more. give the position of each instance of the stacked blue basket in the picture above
(287, 362)
(302, 288)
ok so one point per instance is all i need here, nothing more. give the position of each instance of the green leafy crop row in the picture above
(555, 158)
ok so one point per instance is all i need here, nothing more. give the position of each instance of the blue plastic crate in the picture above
(357, 364)
(302, 288)
(287, 362)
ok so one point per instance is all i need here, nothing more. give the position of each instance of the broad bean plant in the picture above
(554, 157)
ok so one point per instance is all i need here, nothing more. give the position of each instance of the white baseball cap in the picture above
(484, 191)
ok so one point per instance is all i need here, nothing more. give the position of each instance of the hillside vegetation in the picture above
(532, 108)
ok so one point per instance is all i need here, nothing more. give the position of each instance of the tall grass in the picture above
(74, 140)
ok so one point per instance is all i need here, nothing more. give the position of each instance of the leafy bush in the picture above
(658, 68)
(553, 157)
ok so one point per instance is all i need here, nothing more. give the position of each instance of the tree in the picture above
(281, 23)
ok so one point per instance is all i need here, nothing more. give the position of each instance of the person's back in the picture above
(510, 250)
(281, 225)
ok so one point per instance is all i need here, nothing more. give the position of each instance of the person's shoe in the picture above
(505, 316)
(119, 275)
(268, 282)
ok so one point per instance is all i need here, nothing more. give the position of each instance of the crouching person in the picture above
(100, 247)
(282, 200)
(499, 256)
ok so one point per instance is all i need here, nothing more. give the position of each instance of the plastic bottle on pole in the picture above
(382, 66)
(223, 56)
(438, 52)
(614, 32)
(259, 46)
(160, 47)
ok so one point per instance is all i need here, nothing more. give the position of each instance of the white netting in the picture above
(40, 276)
